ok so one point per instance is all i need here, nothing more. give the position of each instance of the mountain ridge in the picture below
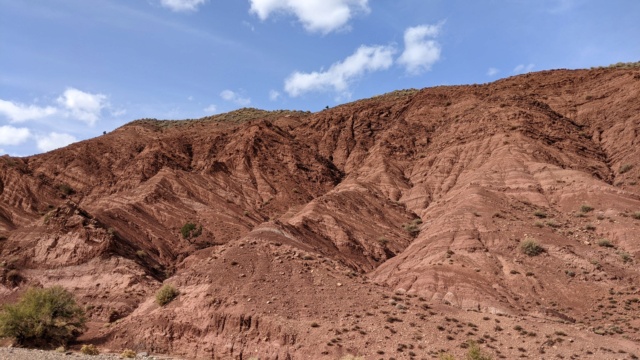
(389, 216)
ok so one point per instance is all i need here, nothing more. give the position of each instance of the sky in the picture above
(73, 69)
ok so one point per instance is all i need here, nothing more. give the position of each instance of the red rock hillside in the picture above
(395, 227)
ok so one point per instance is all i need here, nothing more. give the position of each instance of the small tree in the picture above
(190, 230)
(43, 317)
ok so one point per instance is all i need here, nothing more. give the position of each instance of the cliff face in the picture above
(364, 229)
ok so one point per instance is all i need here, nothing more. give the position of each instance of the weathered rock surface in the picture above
(387, 227)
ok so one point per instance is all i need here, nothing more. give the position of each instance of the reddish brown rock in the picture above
(387, 227)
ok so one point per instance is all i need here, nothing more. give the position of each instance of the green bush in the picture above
(89, 349)
(474, 353)
(166, 294)
(43, 317)
(190, 230)
(531, 248)
(128, 354)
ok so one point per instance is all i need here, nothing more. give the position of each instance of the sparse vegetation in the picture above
(620, 65)
(625, 256)
(570, 273)
(586, 208)
(43, 317)
(625, 168)
(446, 357)
(590, 227)
(166, 294)
(66, 190)
(190, 230)
(475, 353)
(531, 248)
(89, 349)
(553, 224)
(540, 214)
(128, 354)
(605, 243)
(13, 277)
(412, 227)
(636, 215)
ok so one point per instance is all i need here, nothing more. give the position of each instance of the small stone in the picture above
(339, 284)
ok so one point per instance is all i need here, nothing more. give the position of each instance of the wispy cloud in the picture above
(234, 97)
(249, 25)
(182, 5)
(274, 95)
(339, 76)
(10, 135)
(523, 68)
(54, 140)
(17, 112)
(322, 16)
(211, 109)
(492, 71)
(420, 50)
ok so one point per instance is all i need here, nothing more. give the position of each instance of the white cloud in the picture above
(10, 135)
(274, 95)
(338, 77)
(211, 109)
(234, 97)
(522, 68)
(53, 141)
(82, 106)
(492, 72)
(182, 5)
(322, 16)
(17, 112)
(419, 53)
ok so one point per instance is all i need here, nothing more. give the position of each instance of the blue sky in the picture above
(71, 69)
